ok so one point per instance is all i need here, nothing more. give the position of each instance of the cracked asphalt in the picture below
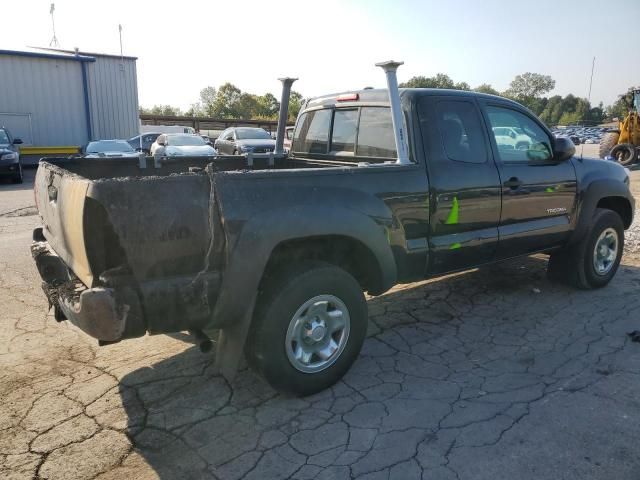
(489, 374)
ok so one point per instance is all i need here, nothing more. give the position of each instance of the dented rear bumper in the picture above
(107, 314)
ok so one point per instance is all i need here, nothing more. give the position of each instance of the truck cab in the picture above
(486, 200)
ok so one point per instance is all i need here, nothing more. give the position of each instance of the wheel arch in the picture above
(313, 233)
(620, 205)
(605, 193)
(342, 251)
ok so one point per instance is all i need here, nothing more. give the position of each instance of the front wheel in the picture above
(309, 326)
(594, 261)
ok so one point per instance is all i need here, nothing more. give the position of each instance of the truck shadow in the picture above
(428, 343)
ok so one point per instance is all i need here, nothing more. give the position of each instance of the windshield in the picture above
(105, 146)
(252, 133)
(185, 140)
(4, 138)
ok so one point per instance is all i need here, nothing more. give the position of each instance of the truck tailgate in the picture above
(60, 197)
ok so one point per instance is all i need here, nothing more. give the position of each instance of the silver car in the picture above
(109, 149)
(181, 144)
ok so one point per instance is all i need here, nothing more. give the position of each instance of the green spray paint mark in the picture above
(455, 246)
(452, 219)
(549, 190)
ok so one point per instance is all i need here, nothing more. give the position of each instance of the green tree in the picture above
(195, 110)
(486, 88)
(621, 106)
(267, 106)
(207, 100)
(161, 110)
(295, 104)
(441, 80)
(528, 87)
(246, 106)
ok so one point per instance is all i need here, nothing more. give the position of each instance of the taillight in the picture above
(348, 97)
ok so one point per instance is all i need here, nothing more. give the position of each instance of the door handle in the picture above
(513, 183)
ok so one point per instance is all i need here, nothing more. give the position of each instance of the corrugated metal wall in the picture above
(50, 90)
(113, 97)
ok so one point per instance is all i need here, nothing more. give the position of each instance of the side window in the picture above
(461, 131)
(518, 137)
(312, 132)
(375, 136)
(345, 127)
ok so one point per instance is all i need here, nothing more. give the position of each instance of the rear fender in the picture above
(260, 236)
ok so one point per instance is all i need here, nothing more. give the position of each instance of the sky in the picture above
(332, 45)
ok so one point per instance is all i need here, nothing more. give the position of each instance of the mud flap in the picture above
(230, 345)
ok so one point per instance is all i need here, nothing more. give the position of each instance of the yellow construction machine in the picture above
(623, 144)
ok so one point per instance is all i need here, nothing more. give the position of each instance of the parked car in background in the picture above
(513, 137)
(109, 149)
(180, 144)
(288, 138)
(147, 141)
(167, 129)
(240, 140)
(10, 156)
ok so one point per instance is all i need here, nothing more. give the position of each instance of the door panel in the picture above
(464, 184)
(538, 194)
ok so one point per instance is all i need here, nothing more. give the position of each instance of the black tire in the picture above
(286, 292)
(625, 154)
(607, 142)
(18, 178)
(235, 152)
(575, 265)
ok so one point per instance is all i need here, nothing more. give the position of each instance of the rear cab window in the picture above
(360, 134)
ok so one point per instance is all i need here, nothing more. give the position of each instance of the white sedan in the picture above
(180, 144)
(512, 137)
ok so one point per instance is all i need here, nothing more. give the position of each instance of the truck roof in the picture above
(381, 95)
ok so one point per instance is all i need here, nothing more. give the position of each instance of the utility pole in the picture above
(54, 40)
(593, 64)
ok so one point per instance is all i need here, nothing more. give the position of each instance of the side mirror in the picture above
(17, 141)
(563, 149)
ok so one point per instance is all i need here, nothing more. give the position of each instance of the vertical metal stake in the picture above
(390, 69)
(284, 113)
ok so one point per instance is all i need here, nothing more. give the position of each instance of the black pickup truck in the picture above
(276, 254)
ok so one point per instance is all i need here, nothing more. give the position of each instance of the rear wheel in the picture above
(308, 329)
(594, 261)
(608, 141)
(624, 153)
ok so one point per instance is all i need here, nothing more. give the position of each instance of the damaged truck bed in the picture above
(381, 187)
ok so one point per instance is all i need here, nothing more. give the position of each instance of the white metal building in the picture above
(60, 98)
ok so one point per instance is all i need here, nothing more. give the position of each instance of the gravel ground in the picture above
(488, 374)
